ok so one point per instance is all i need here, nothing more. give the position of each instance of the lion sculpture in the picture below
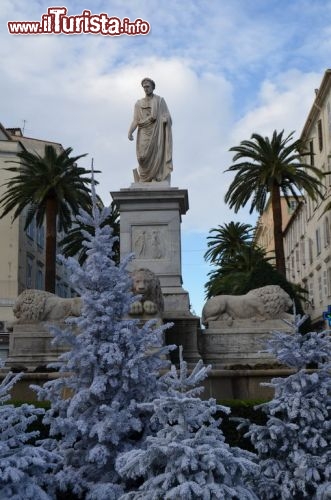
(32, 306)
(146, 284)
(268, 302)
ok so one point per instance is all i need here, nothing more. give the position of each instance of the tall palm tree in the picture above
(53, 187)
(72, 245)
(272, 167)
(225, 241)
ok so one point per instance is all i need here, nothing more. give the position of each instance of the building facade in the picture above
(264, 231)
(307, 234)
(22, 260)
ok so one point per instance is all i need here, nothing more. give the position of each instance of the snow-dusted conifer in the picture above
(109, 369)
(23, 467)
(188, 457)
(294, 447)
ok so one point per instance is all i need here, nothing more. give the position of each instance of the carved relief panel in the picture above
(149, 242)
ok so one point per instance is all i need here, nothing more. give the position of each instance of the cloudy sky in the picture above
(226, 68)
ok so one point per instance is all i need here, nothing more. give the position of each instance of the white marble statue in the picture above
(154, 136)
(268, 302)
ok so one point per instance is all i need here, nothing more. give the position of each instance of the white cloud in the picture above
(282, 103)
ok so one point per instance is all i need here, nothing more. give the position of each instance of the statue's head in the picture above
(149, 80)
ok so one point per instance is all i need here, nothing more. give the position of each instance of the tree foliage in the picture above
(294, 447)
(72, 245)
(24, 467)
(188, 457)
(272, 167)
(226, 241)
(111, 367)
(53, 188)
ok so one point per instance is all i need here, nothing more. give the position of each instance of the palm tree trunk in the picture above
(278, 229)
(50, 255)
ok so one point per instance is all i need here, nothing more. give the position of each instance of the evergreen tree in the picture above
(187, 458)
(23, 467)
(294, 447)
(112, 366)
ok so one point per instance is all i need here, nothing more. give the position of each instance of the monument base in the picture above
(150, 223)
(184, 332)
(31, 348)
(241, 345)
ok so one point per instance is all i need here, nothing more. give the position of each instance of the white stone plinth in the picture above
(30, 347)
(241, 344)
(150, 219)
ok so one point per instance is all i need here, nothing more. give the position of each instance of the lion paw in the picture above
(150, 307)
(136, 308)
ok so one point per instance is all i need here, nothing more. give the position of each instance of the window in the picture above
(29, 271)
(311, 292)
(30, 230)
(320, 290)
(318, 241)
(326, 231)
(39, 280)
(292, 266)
(303, 252)
(311, 153)
(310, 251)
(329, 281)
(325, 284)
(40, 236)
(320, 135)
(292, 206)
(297, 259)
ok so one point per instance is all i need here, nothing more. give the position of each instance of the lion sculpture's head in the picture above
(275, 300)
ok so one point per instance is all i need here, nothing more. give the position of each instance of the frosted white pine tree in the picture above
(294, 447)
(188, 457)
(23, 466)
(109, 369)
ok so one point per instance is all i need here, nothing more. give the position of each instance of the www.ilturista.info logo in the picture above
(57, 22)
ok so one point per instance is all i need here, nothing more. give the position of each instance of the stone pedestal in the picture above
(243, 344)
(30, 347)
(150, 219)
(184, 332)
(150, 229)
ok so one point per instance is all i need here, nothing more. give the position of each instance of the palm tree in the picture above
(72, 244)
(53, 187)
(233, 275)
(272, 167)
(226, 241)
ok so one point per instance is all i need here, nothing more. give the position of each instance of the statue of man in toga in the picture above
(154, 137)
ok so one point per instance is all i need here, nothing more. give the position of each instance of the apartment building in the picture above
(22, 251)
(307, 234)
(264, 230)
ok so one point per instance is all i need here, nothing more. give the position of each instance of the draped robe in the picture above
(154, 140)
